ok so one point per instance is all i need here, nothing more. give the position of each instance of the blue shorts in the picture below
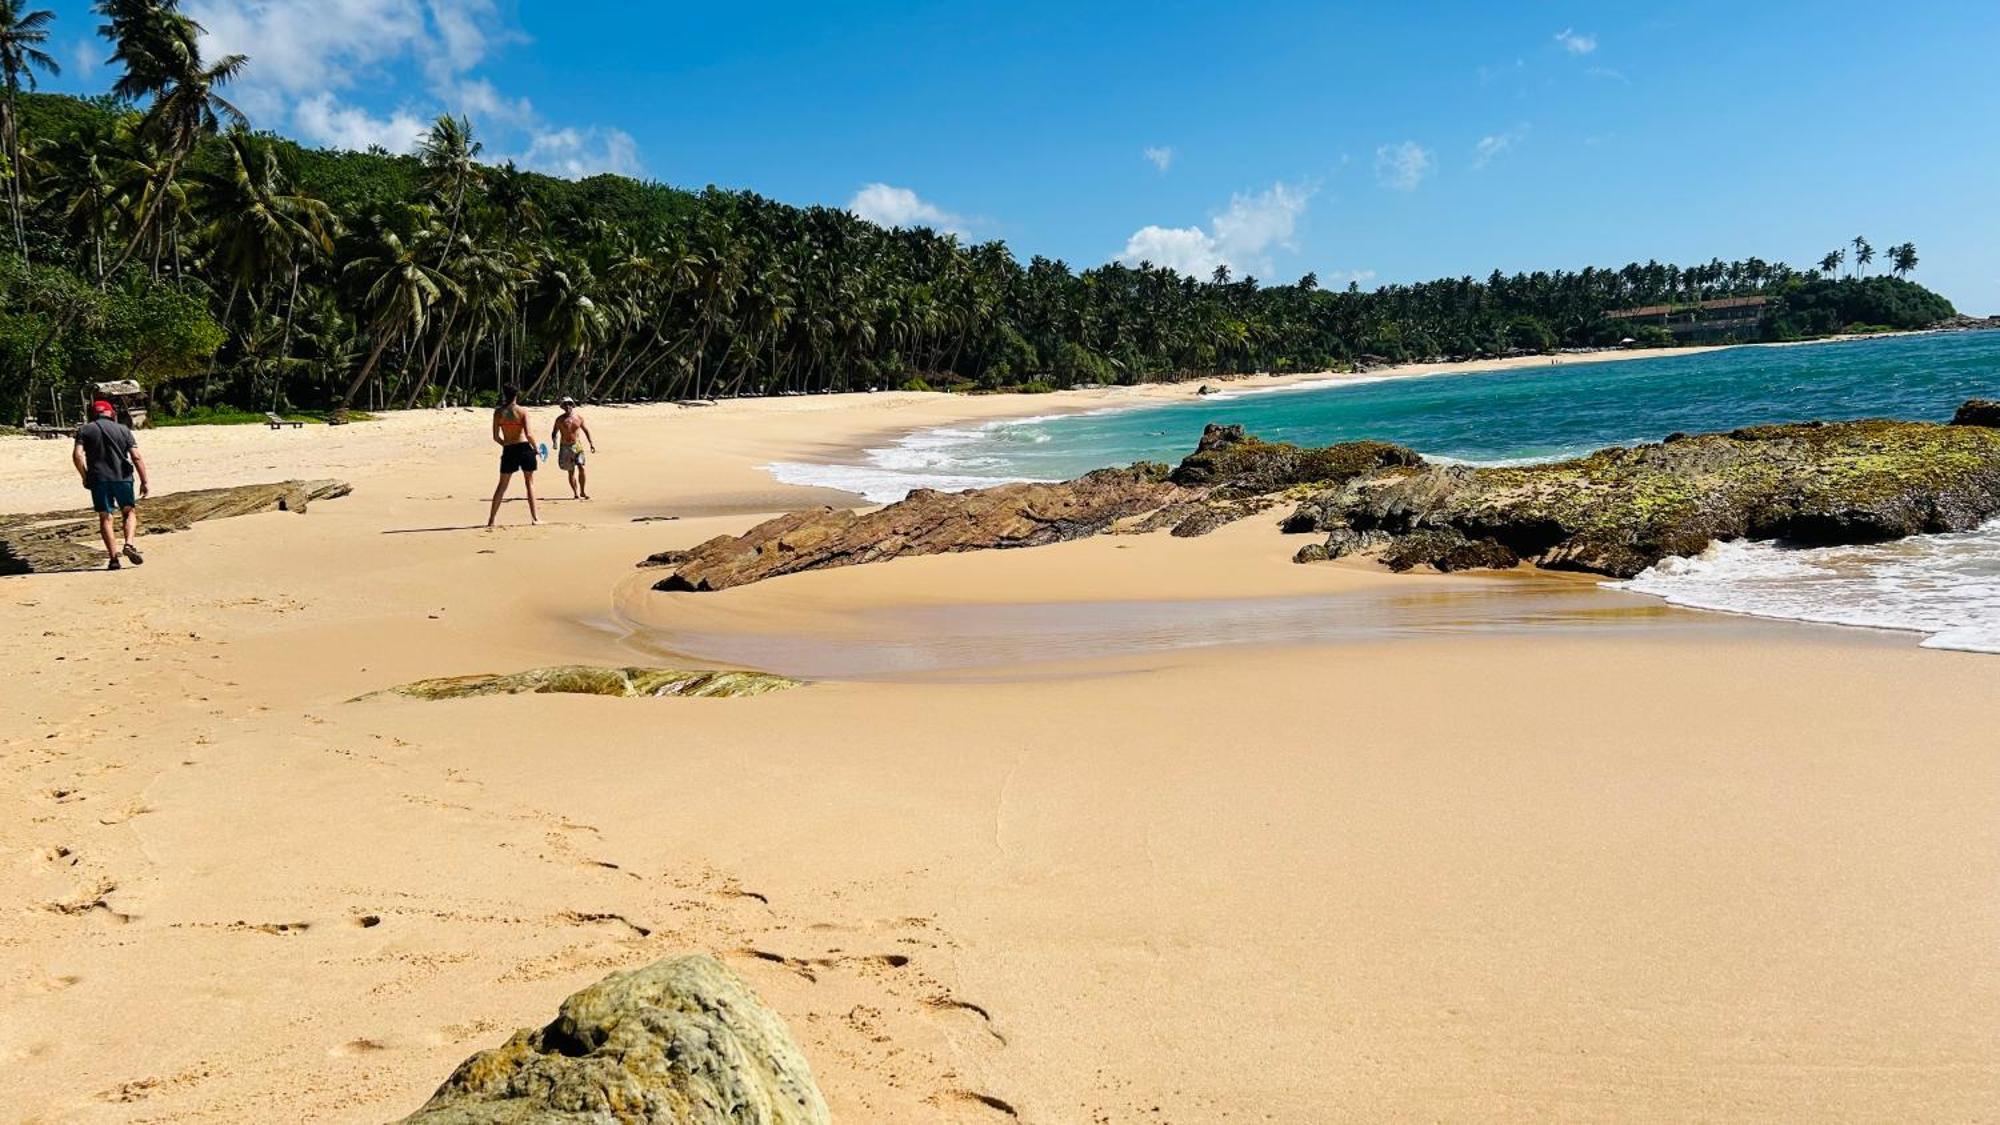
(112, 496)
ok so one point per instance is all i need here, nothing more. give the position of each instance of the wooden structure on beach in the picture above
(1706, 321)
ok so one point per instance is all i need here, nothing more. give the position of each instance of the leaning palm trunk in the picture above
(555, 353)
(367, 369)
(430, 366)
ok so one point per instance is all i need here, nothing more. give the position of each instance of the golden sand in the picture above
(1476, 860)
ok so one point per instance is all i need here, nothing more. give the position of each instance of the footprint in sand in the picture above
(56, 983)
(355, 1047)
(278, 929)
(94, 901)
(987, 1100)
(944, 1003)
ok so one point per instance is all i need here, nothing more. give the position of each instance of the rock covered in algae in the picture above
(682, 1041)
(1619, 511)
(1614, 512)
(579, 679)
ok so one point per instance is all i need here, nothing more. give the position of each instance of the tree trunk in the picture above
(554, 354)
(367, 369)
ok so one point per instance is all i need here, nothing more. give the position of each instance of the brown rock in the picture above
(67, 540)
(924, 523)
(1978, 412)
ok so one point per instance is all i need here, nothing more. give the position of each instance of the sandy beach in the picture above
(1500, 849)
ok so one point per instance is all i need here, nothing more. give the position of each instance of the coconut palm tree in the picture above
(254, 223)
(1903, 259)
(565, 316)
(1863, 254)
(1830, 264)
(160, 51)
(21, 37)
(451, 170)
(401, 288)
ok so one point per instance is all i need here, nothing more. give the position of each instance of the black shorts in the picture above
(517, 458)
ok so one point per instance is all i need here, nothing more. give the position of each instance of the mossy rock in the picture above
(1234, 465)
(683, 1040)
(624, 683)
(1619, 511)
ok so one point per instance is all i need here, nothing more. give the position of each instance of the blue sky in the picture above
(1373, 141)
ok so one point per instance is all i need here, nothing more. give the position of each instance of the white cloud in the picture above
(1339, 279)
(1607, 73)
(84, 57)
(1240, 237)
(1403, 166)
(1495, 145)
(312, 61)
(576, 153)
(323, 120)
(887, 206)
(1576, 42)
(1162, 156)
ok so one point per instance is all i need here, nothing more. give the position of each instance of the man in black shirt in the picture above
(106, 455)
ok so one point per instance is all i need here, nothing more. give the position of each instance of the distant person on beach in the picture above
(106, 456)
(569, 425)
(517, 453)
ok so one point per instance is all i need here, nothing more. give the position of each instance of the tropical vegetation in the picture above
(154, 235)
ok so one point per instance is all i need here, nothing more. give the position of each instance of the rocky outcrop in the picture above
(1228, 477)
(1619, 511)
(1977, 412)
(579, 679)
(1615, 512)
(67, 540)
(925, 523)
(1232, 465)
(679, 1042)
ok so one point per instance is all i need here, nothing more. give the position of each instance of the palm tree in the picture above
(450, 158)
(1903, 259)
(254, 222)
(160, 51)
(1863, 254)
(402, 289)
(21, 37)
(1831, 263)
(565, 316)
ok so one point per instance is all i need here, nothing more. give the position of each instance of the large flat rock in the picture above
(67, 540)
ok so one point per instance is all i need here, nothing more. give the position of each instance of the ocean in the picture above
(1944, 587)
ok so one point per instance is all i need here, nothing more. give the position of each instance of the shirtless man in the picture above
(570, 424)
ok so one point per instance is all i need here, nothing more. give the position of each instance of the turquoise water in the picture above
(1523, 414)
(1945, 586)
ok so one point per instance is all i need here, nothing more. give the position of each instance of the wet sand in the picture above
(1457, 848)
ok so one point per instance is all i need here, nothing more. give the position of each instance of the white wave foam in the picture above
(1944, 586)
(876, 484)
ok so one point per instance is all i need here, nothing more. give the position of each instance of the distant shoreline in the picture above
(1137, 396)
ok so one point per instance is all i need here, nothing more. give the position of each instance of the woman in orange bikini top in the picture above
(517, 454)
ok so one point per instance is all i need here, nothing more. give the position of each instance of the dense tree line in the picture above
(154, 235)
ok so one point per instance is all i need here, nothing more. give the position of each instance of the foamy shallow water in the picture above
(1944, 586)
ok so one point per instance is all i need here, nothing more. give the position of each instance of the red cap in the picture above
(103, 407)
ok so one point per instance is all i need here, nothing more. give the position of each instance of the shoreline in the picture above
(1645, 842)
(1142, 395)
